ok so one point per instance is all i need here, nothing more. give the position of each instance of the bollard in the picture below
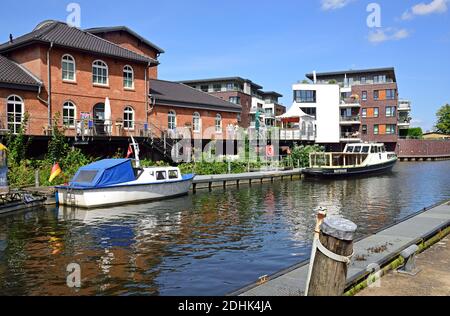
(409, 255)
(321, 215)
(36, 179)
(334, 251)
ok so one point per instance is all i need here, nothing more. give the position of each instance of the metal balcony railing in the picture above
(351, 135)
(355, 118)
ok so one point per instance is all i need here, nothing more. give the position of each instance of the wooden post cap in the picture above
(339, 228)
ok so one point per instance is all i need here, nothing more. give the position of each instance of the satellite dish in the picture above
(44, 24)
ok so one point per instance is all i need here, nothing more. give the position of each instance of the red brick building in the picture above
(61, 69)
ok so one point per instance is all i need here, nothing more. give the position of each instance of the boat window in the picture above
(366, 149)
(374, 150)
(161, 175)
(384, 149)
(173, 174)
(85, 176)
(350, 149)
(357, 149)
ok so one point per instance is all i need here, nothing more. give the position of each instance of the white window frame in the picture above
(127, 70)
(129, 110)
(172, 120)
(104, 66)
(196, 128)
(17, 100)
(67, 58)
(69, 105)
(219, 124)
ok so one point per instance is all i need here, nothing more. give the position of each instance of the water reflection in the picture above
(207, 244)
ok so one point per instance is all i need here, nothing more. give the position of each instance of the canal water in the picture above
(204, 244)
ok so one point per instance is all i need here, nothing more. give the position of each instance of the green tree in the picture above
(415, 132)
(301, 154)
(443, 116)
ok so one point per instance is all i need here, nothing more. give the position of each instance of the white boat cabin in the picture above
(157, 174)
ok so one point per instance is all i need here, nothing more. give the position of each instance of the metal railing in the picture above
(355, 118)
(350, 135)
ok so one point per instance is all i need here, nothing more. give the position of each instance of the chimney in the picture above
(11, 38)
(314, 77)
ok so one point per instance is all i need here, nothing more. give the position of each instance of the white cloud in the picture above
(334, 4)
(388, 34)
(421, 9)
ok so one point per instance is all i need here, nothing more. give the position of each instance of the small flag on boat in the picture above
(130, 152)
(56, 171)
(3, 147)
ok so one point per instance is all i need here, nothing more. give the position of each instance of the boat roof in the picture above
(365, 144)
(104, 173)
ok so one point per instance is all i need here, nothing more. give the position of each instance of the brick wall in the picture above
(381, 105)
(159, 117)
(130, 42)
(423, 148)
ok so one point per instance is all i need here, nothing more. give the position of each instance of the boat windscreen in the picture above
(86, 176)
(350, 149)
(366, 149)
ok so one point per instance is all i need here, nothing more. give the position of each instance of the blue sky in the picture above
(274, 43)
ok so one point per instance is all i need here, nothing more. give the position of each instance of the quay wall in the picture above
(423, 148)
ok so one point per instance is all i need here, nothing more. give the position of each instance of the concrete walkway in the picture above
(432, 280)
(378, 249)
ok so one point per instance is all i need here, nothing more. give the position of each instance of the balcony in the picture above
(297, 135)
(254, 110)
(350, 103)
(404, 106)
(350, 120)
(351, 137)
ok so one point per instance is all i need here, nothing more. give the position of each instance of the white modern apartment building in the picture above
(354, 106)
(322, 101)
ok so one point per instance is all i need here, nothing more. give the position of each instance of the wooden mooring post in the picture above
(333, 255)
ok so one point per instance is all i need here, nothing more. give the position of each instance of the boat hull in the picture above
(121, 195)
(347, 172)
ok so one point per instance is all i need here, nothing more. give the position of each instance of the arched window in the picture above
(68, 68)
(196, 122)
(218, 123)
(100, 73)
(15, 110)
(172, 121)
(69, 114)
(128, 77)
(128, 118)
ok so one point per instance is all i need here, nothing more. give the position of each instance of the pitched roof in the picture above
(180, 95)
(61, 34)
(13, 75)
(100, 30)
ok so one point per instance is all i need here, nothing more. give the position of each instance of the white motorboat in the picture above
(114, 182)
